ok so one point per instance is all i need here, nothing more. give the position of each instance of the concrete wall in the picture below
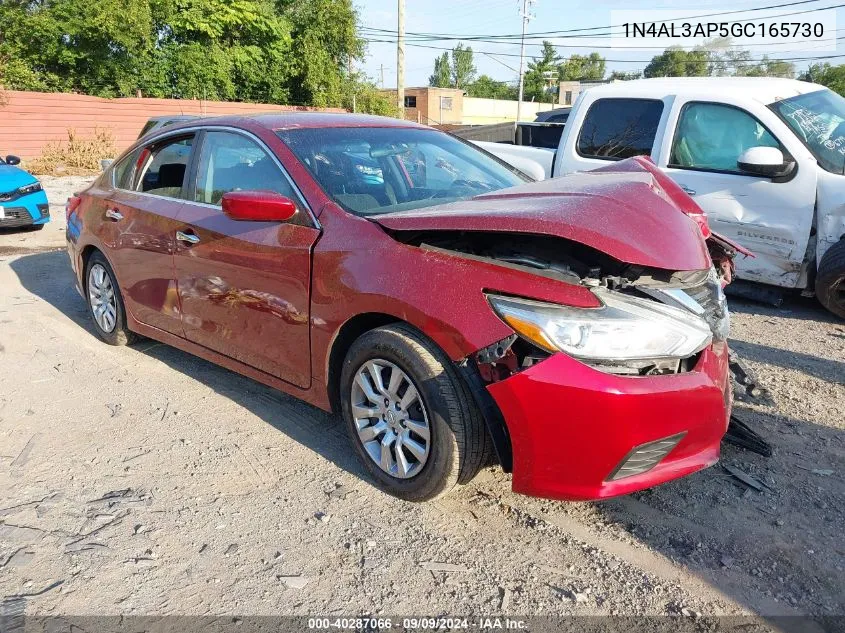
(486, 111)
(30, 120)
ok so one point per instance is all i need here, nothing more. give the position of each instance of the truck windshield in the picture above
(818, 118)
(371, 170)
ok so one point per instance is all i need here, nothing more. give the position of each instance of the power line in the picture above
(540, 34)
(621, 61)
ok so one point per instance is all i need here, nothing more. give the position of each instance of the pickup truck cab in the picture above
(763, 157)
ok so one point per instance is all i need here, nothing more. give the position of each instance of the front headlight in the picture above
(623, 328)
(27, 189)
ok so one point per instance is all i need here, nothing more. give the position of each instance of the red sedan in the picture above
(455, 313)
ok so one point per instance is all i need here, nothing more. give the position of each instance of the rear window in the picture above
(619, 128)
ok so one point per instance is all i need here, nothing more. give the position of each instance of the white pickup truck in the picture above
(763, 157)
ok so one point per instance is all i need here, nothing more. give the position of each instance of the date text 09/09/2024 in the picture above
(682, 30)
(417, 624)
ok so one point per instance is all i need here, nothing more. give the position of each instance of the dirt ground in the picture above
(142, 480)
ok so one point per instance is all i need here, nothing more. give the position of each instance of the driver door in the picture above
(769, 216)
(245, 286)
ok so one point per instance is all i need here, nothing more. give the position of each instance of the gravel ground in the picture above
(142, 480)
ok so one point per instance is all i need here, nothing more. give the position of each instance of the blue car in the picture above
(23, 202)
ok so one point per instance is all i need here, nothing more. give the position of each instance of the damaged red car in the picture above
(454, 313)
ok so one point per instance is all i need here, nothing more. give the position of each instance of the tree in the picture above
(772, 68)
(455, 72)
(625, 76)
(582, 67)
(486, 87)
(677, 62)
(831, 76)
(274, 51)
(542, 70)
(463, 66)
(442, 76)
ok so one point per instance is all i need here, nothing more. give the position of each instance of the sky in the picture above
(500, 60)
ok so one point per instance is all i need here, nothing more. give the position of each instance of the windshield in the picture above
(370, 171)
(818, 118)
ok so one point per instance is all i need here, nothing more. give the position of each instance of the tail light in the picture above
(72, 205)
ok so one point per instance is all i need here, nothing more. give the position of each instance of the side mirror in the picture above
(258, 206)
(764, 161)
(105, 163)
(11, 159)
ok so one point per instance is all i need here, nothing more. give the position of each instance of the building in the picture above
(568, 91)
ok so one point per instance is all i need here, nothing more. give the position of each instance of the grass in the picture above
(77, 156)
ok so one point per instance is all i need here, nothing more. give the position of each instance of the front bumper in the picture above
(571, 426)
(25, 211)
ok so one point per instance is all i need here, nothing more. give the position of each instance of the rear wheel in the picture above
(105, 303)
(409, 415)
(830, 279)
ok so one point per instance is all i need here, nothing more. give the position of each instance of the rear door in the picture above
(771, 217)
(139, 219)
(245, 286)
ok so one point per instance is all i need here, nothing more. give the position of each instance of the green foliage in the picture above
(463, 68)
(718, 58)
(485, 87)
(539, 81)
(442, 75)
(677, 62)
(831, 76)
(457, 71)
(363, 96)
(625, 76)
(582, 67)
(274, 51)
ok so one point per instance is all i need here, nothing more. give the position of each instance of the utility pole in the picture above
(400, 60)
(381, 75)
(526, 16)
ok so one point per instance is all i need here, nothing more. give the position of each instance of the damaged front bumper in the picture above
(574, 430)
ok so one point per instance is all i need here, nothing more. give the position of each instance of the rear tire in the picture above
(830, 279)
(105, 303)
(457, 442)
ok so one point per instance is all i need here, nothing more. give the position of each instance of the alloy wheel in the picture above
(102, 298)
(391, 418)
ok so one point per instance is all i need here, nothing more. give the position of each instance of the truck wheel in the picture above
(830, 279)
(409, 415)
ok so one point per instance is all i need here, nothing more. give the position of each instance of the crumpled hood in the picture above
(12, 177)
(626, 215)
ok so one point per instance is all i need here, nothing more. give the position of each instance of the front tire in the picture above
(409, 415)
(105, 303)
(830, 279)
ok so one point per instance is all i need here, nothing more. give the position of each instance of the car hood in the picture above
(12, 177)
(625, 215)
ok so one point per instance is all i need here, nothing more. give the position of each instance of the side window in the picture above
(231, 162)
(712, 136)
(122, 172)
(619, 128)
(161, 167)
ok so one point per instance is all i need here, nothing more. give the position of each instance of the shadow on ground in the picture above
(48, 276)
(775, 549)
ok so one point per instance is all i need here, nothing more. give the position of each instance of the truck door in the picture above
(770, 216)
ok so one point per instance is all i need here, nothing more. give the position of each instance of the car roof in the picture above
(765, 90)
(174, 117)
(545, 114)
(299, 120)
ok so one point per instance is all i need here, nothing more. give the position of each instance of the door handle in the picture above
(689, 192)
(114, 214)
(187, 238)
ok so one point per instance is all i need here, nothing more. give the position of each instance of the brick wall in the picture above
(29, 120)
